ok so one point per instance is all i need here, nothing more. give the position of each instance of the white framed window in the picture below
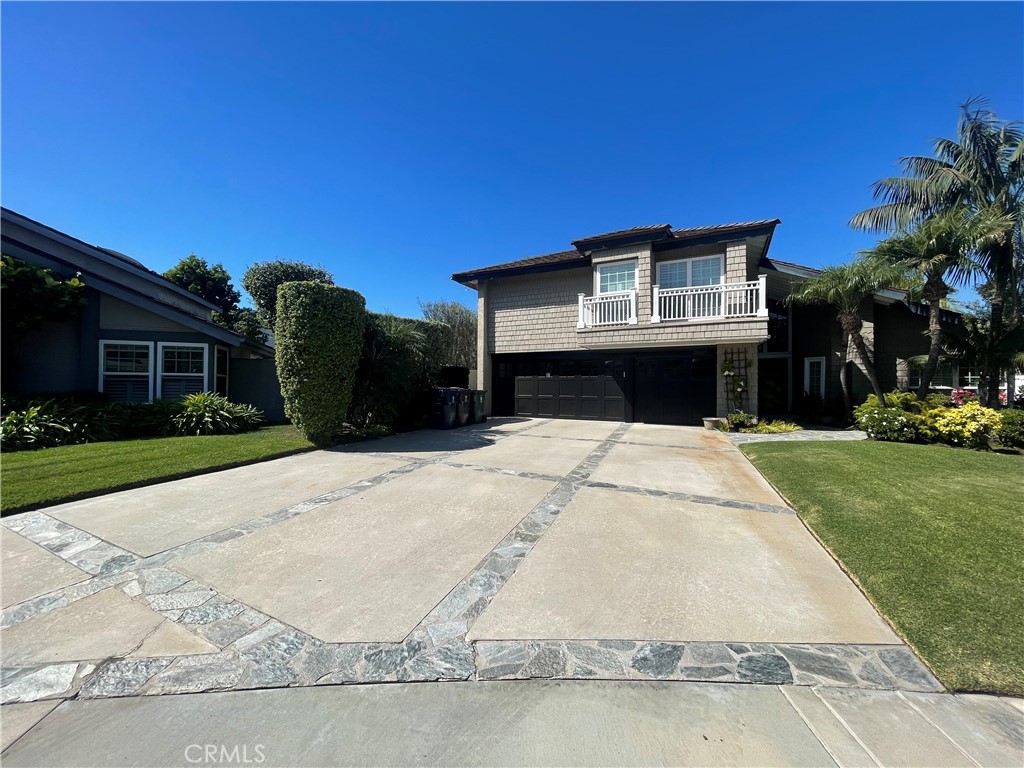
(969, 376)
(221, 361)
(616, 276)
(814, 376)
(126, 370)
(944, 378)
(688, 273)
(183, 369)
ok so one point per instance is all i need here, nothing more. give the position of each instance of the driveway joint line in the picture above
(811, 727)
(924, 715)
(848, 727)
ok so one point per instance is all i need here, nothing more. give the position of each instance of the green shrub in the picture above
(263, 278)
(37, 426)
(772, 428)
(969, 426)
(741, 420)
(890, 424)
(319, 339)
(1011, 428)
(924, 413)
(207, 413)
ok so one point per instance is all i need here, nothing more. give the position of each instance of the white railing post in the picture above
(580, 324)
(656, 307)
(632, 307)
(762, 296)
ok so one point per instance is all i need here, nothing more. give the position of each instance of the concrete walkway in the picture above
(526, 723)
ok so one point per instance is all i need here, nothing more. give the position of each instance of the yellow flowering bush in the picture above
(969, 426)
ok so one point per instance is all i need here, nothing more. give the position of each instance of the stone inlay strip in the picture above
(820, 435)
(838, 665)
(694, 498)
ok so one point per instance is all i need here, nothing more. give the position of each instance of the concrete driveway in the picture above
(514, 549)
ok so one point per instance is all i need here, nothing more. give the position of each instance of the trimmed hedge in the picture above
(319, 341)
(263, 278)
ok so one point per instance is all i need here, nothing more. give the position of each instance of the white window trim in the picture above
(689, 270)
(599, 267)
(135, 343)
(227, 368)
(807, 375)
(160, 371)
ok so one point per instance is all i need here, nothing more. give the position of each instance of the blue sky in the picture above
(397, 143)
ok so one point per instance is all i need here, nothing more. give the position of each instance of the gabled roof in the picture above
(134, 266)
(115, 274)
(647, 233)
(557, 259)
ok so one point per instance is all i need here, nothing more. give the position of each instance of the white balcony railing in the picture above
(708, 302)
(617, 308)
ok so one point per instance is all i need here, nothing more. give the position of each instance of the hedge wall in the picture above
(319, 340)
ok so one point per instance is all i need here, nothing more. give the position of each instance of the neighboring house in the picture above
(638, 325)
(139, 337)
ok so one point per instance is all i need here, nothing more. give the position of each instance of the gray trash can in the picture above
(462, 410)
(477, 415)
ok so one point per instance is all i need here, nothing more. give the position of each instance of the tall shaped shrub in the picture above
(319, 339)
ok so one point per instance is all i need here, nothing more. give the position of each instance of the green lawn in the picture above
(35, 478)
(934, 536)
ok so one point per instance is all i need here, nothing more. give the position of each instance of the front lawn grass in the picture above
(31, 479)
(934, 536)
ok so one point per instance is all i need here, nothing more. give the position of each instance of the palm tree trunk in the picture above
(844, 384)
(934, 299)
(991, 370)
(852, 324)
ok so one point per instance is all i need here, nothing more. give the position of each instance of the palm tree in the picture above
(845, 288)
(937, 252)
(983, 172)
(974, 342)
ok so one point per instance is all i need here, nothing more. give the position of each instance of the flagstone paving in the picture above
(515, 549)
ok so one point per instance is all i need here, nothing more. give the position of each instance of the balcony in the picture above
(711, 302)
(618, 308)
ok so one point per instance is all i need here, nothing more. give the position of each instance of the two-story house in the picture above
(661, 325)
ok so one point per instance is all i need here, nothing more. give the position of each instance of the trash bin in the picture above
(476, 407)
(462, 411)
(445, 408)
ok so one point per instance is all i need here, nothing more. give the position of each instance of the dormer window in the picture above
(615, 277)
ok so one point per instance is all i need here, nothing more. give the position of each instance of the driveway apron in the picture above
(509, 550)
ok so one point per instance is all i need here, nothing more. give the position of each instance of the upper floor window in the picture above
(687, 273)
(618, 276)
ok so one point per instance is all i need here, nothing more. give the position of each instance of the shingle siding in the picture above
(538, 313)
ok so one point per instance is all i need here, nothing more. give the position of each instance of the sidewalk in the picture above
(523, 723)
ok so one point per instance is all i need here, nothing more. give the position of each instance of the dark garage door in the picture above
(657, 387)
(582, 389)
(675, 389)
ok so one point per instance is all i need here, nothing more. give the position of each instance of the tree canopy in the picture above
(462, 320)
(212, 283)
